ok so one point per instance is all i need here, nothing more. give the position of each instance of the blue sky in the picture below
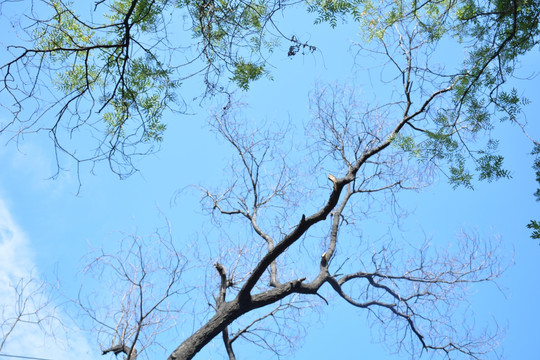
(46, 228)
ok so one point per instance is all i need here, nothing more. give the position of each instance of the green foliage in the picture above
(332, 10)
(497, 33)
(114, 58)
(77, 78)
(147, 93)
(63, 33)
(220, 24)
(244, 73)
(536, 167)
(535, 227)
(490, 168)
(441, 144)
(502, 30)
(534, 224)
(132, 87)
(493, 34)
(477, 116)
(144, 15)
(510, 104)
(124, 65)
(459, 176)
(407, 144)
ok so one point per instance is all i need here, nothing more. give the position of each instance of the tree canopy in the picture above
(117, 66)
(104, 80)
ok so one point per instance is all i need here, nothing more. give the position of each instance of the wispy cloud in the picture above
(35, 162)
(30, 322)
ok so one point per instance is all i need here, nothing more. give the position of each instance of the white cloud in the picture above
(15, 256)
(55, 337)
(35, 163)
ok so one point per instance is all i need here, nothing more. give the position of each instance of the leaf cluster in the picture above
(118, 64)
(534, 225)
(229, 33)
